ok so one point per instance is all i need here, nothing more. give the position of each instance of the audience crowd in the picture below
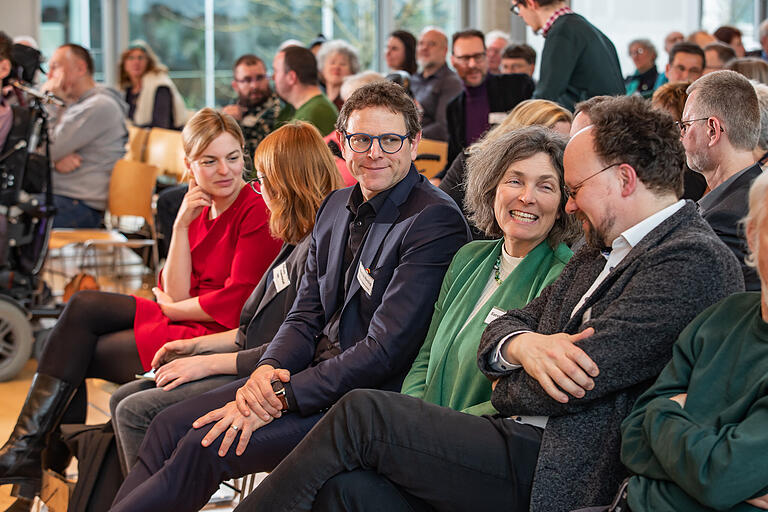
(599, 345)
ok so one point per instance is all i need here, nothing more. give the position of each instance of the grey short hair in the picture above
(762, 100)
(645, 43)
(758, 196)
(496, 34)
(730, 97)
(342, 47)
(352, 83)
(485, 170)
(763, 30)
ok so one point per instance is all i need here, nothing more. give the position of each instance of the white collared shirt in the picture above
(620, 247)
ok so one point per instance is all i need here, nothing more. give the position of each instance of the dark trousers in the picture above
(429, 456)
(175, 472)
(92, 338)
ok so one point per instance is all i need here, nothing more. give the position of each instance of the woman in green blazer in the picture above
(515, 189)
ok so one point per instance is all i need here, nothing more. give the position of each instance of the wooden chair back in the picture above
(131, 189)
(432, 157)
(165, 151)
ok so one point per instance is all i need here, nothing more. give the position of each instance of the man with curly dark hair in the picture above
(567, 368)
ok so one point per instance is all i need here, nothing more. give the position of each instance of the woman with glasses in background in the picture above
(220, 248)
(294, 172)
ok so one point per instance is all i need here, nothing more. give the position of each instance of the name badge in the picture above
(494, 314)
(280, 277)
(496, 117)
(365, 279)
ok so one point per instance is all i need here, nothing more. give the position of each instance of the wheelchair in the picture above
(26, 217)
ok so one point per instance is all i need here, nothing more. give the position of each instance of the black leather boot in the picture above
(20, 457)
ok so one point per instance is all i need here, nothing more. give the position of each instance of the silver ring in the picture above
(233, 427)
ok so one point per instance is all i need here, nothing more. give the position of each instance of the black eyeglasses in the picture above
(515, 8)
(256, 183)
(572, 191)
(252, 79)
(388, 142)
(464, 59)
(684, 125)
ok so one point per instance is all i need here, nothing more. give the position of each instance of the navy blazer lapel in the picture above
(652, 239)
(382, 224)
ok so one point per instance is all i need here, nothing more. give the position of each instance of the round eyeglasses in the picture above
(388, 142)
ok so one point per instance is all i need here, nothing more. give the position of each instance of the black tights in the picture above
(93, 338)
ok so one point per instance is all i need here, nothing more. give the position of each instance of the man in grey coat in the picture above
(566, 369)
(87, 138)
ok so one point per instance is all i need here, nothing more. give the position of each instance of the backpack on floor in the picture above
(99, 475)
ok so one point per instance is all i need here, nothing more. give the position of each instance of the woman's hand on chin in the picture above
(194, 201)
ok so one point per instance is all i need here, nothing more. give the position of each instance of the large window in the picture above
(65, 21)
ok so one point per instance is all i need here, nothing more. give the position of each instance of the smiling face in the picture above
(219, 168)
(526, 203)
(374, 169)
(469, 60)
(395, 53)
(335, 68)
(592, 203)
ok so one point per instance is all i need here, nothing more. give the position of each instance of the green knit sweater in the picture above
(445, 371)
(712, 453)
(577, 62)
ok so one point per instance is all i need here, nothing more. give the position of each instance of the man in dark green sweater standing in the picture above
(578, 61)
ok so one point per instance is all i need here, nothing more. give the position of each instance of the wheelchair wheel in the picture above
(16, 340)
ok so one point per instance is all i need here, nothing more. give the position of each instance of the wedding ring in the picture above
(233, 427)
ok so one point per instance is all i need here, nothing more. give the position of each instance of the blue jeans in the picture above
(73, 213)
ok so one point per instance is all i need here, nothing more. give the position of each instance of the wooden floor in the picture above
(12, 393)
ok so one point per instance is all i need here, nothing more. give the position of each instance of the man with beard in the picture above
(719, 129)
(257, 108)
(486, 98)
(567, 368)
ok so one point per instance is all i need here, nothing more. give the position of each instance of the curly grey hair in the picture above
(485, 170)
(342, 47)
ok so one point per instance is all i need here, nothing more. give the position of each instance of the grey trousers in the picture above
(134, 405)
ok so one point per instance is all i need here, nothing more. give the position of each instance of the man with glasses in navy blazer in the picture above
(377, 258)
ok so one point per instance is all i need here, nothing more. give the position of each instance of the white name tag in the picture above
(280, 277)
(494, 314)
(496, 117)
(365, 279)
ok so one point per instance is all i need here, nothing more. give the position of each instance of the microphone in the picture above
(45, 97)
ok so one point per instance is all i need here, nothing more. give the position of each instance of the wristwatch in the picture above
(279, 388)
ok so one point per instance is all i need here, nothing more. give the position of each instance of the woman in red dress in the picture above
(220, 247)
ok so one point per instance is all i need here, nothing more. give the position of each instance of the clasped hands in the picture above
(255, 405)
(555, 361)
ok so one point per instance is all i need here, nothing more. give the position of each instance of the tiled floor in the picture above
(13, 393)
